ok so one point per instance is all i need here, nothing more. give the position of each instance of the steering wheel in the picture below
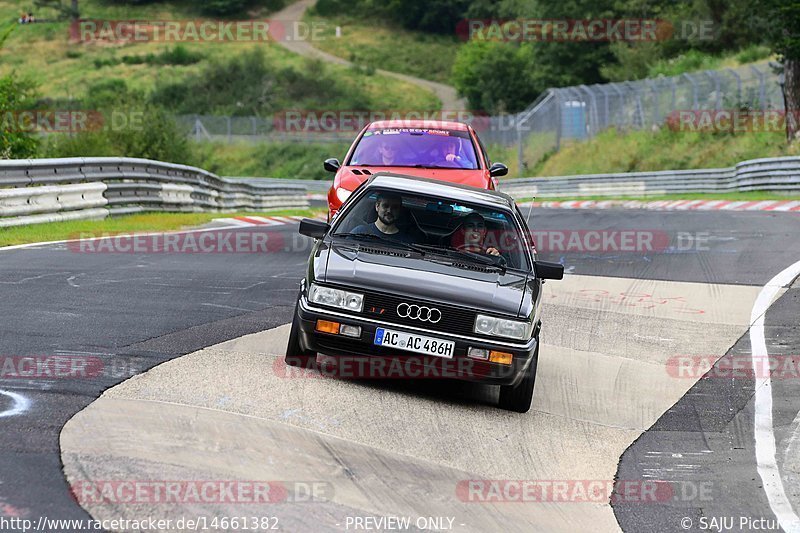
(474, 248)
(480, 252)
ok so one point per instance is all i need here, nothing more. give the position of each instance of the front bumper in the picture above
(412, 365)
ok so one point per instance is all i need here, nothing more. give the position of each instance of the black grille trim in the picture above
(455, 320)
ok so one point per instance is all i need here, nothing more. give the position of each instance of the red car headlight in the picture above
(343, 194)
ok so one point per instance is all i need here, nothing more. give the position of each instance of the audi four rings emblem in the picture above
(419, 312)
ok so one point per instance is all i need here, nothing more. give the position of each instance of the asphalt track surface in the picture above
(135, 311)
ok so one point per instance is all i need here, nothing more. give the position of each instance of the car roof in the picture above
(455, 191)
(419, 123)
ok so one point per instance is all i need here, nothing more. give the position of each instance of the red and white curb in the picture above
(675, 205)
(261, 221)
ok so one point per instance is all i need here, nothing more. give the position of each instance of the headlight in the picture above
(500, 327)
(343, 194)
(351, 301)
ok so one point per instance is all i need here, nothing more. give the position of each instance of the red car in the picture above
(447, 151)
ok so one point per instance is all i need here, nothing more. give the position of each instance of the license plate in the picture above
(414, 343)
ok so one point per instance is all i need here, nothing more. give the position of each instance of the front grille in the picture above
(455, 320)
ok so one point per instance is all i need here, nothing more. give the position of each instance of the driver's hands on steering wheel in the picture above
(478, 249)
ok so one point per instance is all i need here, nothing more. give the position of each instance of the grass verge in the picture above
(294, 160)
(139, 223)
(375, 44)
(42, 53)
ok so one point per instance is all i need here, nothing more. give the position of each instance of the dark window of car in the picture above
(435, 222)
(430, 148)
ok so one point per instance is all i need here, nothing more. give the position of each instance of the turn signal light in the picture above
(503, 358)
(325, 326)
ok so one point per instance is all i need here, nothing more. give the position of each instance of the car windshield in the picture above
(411, 147)
(436, 227)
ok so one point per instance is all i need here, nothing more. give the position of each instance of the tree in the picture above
(495, 77)
(782, 32)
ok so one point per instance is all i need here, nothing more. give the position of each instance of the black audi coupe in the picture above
(440, 280)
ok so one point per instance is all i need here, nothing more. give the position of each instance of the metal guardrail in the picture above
(34, 191)
(779, 174)
(312, 186)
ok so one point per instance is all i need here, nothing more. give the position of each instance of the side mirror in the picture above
(497, 170)
(545, 270)
(332, 165)
(316, 229)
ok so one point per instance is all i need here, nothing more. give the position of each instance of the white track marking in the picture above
(734, 205)
(264, 221)
(21, 404)
(764, 432)
(233, 221)
(787, 206)
(761, 205)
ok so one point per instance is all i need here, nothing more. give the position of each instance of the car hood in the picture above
(353, 266)
(350, 180)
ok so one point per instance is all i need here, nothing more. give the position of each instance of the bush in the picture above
(434, 16)
(148, 132)
(274, 160)
(178, 55)
(494, 77)
(84, 144)
(691, 61)
(248, 84)
(16, 94)
(753, 53)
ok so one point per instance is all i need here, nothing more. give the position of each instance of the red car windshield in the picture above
(410, 147)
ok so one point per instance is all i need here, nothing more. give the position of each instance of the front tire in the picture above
(295, 355)
(518, 397)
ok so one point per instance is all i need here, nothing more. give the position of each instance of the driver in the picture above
(451, 149)
(471, 235)
(389, 207)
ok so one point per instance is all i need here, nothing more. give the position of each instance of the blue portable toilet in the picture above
(573, 120)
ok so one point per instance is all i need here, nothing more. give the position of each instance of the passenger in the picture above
(389, 207)
(388, 153)
(471, 235)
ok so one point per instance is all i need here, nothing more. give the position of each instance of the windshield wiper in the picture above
(371, 236)
(489, 260)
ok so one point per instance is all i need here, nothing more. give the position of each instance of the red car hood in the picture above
(476, 178)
